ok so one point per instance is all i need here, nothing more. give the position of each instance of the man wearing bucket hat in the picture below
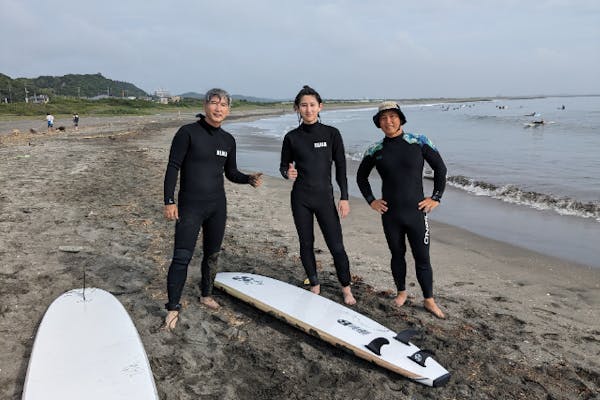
(399, 159)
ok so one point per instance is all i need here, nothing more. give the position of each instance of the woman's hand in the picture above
(344, 208)
(292, 172)
(171, 212)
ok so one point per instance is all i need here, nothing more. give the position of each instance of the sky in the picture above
(389, 49)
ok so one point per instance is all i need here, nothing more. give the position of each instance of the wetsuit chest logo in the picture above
(221, 153)
(320, 144)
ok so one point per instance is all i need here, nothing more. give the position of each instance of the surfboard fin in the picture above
(406, 335)
(375, 345)
(420, 357)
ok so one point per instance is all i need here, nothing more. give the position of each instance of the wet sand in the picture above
(520, 324)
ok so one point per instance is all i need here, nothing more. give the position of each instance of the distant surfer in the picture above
(399, 159)
(540, 122)
(202, 151)
(306, 158)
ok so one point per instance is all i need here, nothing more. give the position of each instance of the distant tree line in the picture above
(72, 85)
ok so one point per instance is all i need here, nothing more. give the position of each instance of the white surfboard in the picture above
(336, 324)
(87, 348)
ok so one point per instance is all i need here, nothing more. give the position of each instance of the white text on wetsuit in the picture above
(222, 153)
(320, 144)
(426, 238)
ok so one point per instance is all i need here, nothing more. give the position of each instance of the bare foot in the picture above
(170, 320)
(401, 298)
(209, 302)
(433, 308)
(348, 298)
(316, 289)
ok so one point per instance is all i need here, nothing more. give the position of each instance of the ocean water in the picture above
(535, 186)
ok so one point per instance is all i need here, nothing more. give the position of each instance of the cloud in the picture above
(348, 48)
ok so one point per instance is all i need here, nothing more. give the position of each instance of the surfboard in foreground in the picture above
(336, 324)
(87, 347)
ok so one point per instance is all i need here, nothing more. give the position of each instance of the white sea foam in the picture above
(514, 195)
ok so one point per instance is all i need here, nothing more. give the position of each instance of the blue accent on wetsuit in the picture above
(399, 161)
(200, 153)
(313, 148)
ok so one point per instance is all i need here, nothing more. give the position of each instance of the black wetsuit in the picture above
(313, 148)
(201, 153)
(400, 161)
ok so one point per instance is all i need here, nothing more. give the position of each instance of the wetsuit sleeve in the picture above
(434, 159)
(339, 157)
(179, 148)
(287, 156)
(362, 177)
(231, 171)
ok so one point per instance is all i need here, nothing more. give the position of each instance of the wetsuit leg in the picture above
(395, 236)
(418, 238)
(213, 230)
(186, 234)
(329, 222)
(304, 221)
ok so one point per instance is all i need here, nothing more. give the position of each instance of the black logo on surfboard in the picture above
(355, 328)
(247, 280)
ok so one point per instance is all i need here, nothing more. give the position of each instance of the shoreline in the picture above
(519, 319)
(125, 125)
(513, 218)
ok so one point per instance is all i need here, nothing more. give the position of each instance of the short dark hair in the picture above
(307, 91)
(220, 93)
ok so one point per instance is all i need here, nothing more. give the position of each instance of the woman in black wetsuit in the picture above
(306, 157)
(399, 159)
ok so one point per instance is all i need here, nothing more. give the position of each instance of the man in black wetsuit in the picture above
(202, 152)
(399, 159)
(313, 147)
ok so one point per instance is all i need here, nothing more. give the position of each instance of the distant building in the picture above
(164, 97)
(100, 97)
(162, 93)
(39, 99)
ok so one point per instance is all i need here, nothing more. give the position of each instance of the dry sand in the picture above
(521, 325)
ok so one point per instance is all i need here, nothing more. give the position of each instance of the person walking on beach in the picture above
(200, 153)
(399, 160)
(50, 122)
(306, 157)
(76, 121)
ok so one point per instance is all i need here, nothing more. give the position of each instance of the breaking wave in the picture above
(515, 195)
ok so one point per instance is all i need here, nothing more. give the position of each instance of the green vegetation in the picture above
(246, 104)
(109, 106)
(60, 105)
(71, 94)
(73, 85)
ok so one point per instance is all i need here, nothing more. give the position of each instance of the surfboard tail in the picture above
(442, 380)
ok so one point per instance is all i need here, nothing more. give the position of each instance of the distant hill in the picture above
(75, 85)
(253, 99)
(239, 97)
(192, 95)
